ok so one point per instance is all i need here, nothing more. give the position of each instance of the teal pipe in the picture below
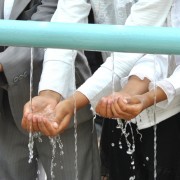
(155, 40)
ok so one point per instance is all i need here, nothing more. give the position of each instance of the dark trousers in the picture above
(117, 164)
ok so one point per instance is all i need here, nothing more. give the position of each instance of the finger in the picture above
(42, 127)
(119, 113)
(24, 122)
(27, 108)
(97, 109)
(103, 107)
(134, 109)
(35, 123)
(51, 127)
(99, 106)
(29, 122)
(109, 112)
(64, 123)
(132, 100)
(26, 112)
(130, 110)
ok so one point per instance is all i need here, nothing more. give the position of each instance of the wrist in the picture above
(50, 94)
(148, 99)
(80, 99)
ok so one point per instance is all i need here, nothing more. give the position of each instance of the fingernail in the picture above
(125, 100)
(55, 125)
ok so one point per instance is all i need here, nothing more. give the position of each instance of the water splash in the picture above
(60, 145)
(123, 125)
(53, 164)
(38, 171)
(30, 147)
(132, 178)
(54, 141)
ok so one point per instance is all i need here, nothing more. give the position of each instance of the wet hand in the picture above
(127, 108)
(105, 107)
(120, 105)
(63, 114)
(41, 106)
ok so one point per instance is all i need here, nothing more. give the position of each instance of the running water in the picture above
(31, 140)
(123, 126)
(75, 118)
(155, 125)
(31, 134)
(55, 142)
(48, 112)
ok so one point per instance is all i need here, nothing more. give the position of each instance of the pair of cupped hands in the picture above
(48, 114)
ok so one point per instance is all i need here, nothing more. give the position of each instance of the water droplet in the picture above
(112, 144)
(129, 151)
(132, 178)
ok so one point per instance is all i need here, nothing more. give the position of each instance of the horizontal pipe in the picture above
(154, 40)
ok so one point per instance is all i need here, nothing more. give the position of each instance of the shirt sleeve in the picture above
(142, 14)
(58, 64)
(152, 67)
(149, 13)
(170, 86)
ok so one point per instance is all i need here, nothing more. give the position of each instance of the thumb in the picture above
(55, 124)
(132, 100)
(27, 108)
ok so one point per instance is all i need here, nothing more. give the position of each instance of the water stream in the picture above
(54, 141)
(75, 118)
(31, 139)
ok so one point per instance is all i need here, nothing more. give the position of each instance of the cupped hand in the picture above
(63, 114)
(104, 107)
(127, 108)
(35, 110)
(120, 105)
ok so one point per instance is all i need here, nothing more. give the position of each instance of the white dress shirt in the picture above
(60, 62)
(8, 4)
(145, 12)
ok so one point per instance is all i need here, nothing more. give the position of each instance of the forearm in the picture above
(79, 100)
(154, 96)
(149, 13)
(136, 86)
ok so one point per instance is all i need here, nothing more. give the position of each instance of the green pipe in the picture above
(155, 40)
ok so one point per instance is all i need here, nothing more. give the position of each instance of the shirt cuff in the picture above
(169, 90)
